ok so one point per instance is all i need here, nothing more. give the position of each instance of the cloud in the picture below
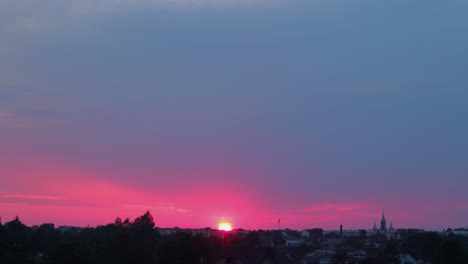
(173, 209)
(181, 210)
(164, 207)
(4, 115)
(460, 206)
(31, 16)
(335, 207)
(34, 197)
(11, 120)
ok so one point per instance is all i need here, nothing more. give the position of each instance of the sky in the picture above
(315, 112)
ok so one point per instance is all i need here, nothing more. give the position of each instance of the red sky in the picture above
(47, 190)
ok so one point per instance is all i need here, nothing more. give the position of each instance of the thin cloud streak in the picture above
(170, 207)
(10, 120)
(336, 207)
(34, 197)
(29, 16)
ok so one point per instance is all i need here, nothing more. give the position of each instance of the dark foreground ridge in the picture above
(139, 241)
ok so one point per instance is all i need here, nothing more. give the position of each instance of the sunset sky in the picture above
(317, 112)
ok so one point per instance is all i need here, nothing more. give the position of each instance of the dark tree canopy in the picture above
(144, 221)
(451, 251)
(138, 241)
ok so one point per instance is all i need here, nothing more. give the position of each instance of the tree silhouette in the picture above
(125, 242)
(422, 244)
(17, 243)
(15, 225)
(145, 221)
(118, 222)
(450, 251)
(127, 223)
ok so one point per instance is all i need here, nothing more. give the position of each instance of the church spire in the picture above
(383, 222)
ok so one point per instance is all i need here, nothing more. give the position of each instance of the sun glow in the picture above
(224, 226)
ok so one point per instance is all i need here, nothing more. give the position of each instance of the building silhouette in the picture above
(383, 223)
(383, 226)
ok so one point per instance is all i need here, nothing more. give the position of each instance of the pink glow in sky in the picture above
(47, 191)
(318, 113)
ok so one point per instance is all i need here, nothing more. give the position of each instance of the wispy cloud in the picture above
(460, 206)
(164, 207)
(11, 120)
(20, 16)
(181, 210)
(34, 197)
(4, 115)
(139, 206)
(172, 207)
(335, 207)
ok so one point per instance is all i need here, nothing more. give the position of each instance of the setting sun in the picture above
(224, 226)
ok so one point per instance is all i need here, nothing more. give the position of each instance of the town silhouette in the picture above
(140, 241)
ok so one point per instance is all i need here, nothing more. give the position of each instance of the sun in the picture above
(225, 226)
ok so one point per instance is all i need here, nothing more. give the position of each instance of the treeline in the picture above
(121, 242)
(140, 242)
(435, 248)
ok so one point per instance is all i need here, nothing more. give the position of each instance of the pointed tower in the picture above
(391, 228)
(375, 226)
(383, 223)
